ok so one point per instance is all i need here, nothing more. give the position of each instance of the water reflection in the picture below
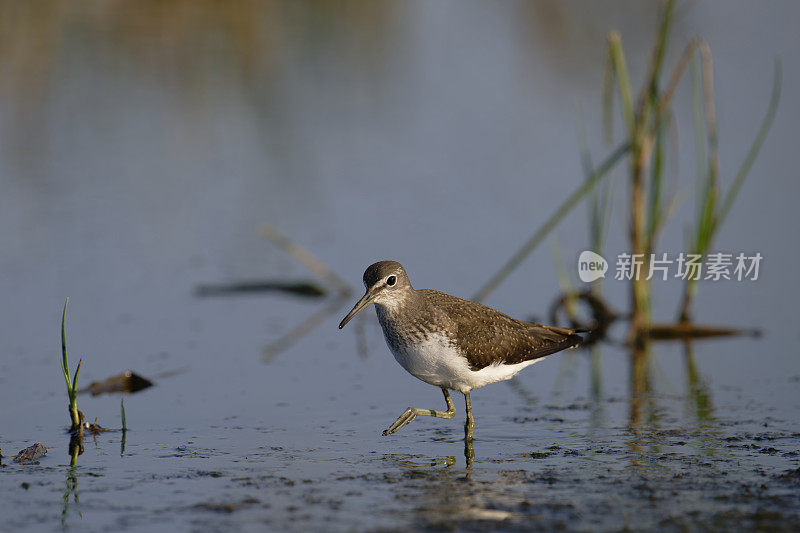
(700, 404)
(648, 438)
(75, 448)
(643, 418)
(640, 393)
(446, 496)
(71, 491)
(698, 393)
(245, 48)
(71, 483)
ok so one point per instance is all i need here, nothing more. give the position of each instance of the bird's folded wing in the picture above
(488, 336)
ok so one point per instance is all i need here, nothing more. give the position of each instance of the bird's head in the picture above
(386, 283)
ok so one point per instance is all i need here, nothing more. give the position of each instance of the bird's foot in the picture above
(407, 416)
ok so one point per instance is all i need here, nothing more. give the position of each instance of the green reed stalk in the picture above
(711, 214)
(72, 384)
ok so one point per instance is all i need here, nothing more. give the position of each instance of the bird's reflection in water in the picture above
(469, 449)
(444, 495)
(409, 463)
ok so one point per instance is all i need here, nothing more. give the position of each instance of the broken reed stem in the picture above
(646, 124)
(640, 296)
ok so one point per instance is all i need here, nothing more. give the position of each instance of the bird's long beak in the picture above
(365, 300)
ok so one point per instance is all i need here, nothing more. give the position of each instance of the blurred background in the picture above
(143, 144)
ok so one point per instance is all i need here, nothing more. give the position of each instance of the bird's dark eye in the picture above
(391, 280)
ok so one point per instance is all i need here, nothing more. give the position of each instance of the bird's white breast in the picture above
(436, 360)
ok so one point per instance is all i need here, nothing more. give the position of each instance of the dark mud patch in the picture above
(539, 455)
(226, 507)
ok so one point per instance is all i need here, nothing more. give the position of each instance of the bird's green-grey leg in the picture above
(469, 426)
(412, 412)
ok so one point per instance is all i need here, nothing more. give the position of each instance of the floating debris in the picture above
(95, 428)
(31, 454)
(128, 381)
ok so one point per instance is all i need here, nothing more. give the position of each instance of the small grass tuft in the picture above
(72, 384)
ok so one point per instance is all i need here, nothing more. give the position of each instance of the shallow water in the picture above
(570, 462)
(139, 161)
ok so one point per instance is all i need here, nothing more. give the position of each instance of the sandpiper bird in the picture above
(449, 342)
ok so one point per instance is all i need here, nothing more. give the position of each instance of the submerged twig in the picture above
(296, 288)
(302, 329)
(342, 290)
(687, 330)
(302, 256)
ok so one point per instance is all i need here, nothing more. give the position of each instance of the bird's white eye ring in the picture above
(391, 280)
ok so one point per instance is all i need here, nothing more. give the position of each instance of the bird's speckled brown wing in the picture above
(487, 336)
